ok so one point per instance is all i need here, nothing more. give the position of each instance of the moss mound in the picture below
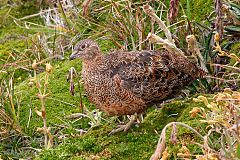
(138, 143)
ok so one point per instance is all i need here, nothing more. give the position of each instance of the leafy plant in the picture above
(9, 107)
(221, 116)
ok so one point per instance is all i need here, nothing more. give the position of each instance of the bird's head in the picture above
(86, 49)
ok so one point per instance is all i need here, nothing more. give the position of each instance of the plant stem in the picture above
(44, 121)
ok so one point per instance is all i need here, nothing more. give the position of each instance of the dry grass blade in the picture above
(9, 107)
(162, 140)
(219, 23)
(5, 119)
(173, 10)
(167, 43)
(86, 5)
(139, 26)
(194, 49)
(149, 11)
(7, 124)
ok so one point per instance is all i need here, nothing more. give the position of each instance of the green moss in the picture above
(56, 104)
(138, 143)
(197, 10)
(235, 48)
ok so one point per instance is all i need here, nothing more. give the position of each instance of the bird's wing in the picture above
(150, 75)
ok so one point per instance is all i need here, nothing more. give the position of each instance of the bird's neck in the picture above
(94, 61)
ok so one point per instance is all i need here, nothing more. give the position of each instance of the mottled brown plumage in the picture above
(124, 83)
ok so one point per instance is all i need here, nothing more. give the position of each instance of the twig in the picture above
(162, 140)
(48, 139)
(194, 49)
(226, 66)
(219, 23)
(67, 103)
(149, 11)
(171, 47)
(35, 15)
(153, 38)
(234, 80)
(76, 115)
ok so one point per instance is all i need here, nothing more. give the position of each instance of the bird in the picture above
(128, 82)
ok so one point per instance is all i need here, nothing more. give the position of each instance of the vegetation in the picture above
(41, 118)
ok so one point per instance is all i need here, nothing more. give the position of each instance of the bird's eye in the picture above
(83, 46)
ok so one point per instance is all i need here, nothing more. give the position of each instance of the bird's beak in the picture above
(74, 55)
